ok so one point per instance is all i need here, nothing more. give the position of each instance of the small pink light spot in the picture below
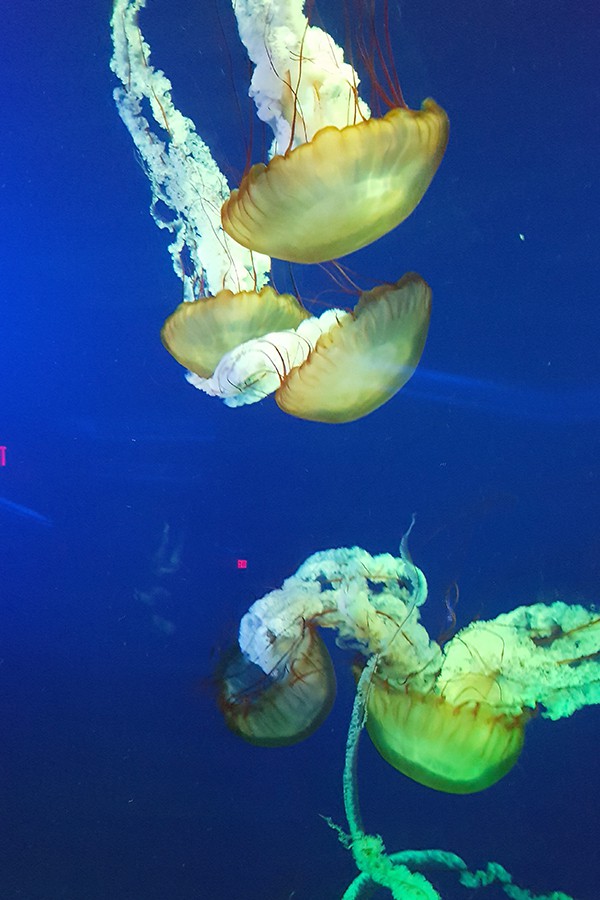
(242, 563)
(2, 456)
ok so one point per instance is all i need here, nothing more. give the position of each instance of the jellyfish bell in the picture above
(200, 333)
(338, 178)
(457, 748)
(464, 730)
(284, 706)
(363, 360)
(341, 190)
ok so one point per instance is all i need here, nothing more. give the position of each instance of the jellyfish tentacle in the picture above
(185, 179)
(368, 850)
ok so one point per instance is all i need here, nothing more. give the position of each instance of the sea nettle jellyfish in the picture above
(338, 179)
(237, 337)
(335, 368)
(286, 706)
(450, 717)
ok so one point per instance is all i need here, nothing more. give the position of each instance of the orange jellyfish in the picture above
(452, 717)
(401, 873)
(335, 368)
(339, 179)
(459, 747)
(340, 191)
(360, 363)
(237, 337)
(199, 334)
(285, 705)
(465, 730)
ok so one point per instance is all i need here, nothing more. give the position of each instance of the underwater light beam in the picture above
(511, 400)
(24, 512)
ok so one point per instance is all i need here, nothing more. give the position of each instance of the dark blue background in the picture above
(119, 778)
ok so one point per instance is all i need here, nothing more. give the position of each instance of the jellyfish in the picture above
(402, 873)
(338, 178)
(334, 368)
(286, 706)
(450, 717)
(238, 338)
(359, 365)
(199, 334)
(361, 597)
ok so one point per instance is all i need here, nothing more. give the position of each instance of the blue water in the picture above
(119, 778)
(17, 509)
